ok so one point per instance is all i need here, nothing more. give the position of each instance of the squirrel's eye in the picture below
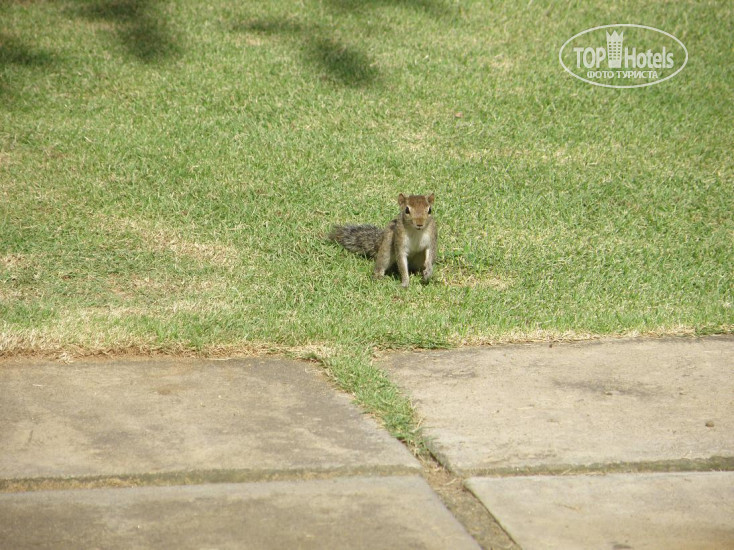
(407, 210)
(429, 209)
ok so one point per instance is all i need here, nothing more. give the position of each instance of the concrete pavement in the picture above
(344, 512)
(673, 511)
(538, 430)
(265, 453)
(115, 418)
(278, 458)
(527, 407)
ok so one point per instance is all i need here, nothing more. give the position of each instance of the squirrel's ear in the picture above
(401, 199)
(430, 198)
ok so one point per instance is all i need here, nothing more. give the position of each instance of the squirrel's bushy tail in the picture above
(362, 239)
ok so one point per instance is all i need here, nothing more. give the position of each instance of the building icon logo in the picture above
(614, 49)
(623, 55)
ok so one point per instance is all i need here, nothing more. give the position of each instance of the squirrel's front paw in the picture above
(427, 272)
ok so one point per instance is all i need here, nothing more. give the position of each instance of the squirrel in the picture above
(408, 241)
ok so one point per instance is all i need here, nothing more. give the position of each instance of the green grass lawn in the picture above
(168, 171)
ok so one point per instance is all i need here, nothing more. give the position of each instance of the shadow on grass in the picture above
(139, 26)
(15, 52)
(345, 64)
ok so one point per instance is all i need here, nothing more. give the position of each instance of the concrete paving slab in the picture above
(675, 511)
(130, 417)
(358, 513)
(537, 406)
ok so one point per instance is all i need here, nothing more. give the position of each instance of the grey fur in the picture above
(361, 239)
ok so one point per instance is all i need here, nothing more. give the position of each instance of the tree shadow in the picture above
(344, 63)
(138, 24)
(16, 52)
(340, 62)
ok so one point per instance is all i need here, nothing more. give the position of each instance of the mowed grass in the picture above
(168, 171)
